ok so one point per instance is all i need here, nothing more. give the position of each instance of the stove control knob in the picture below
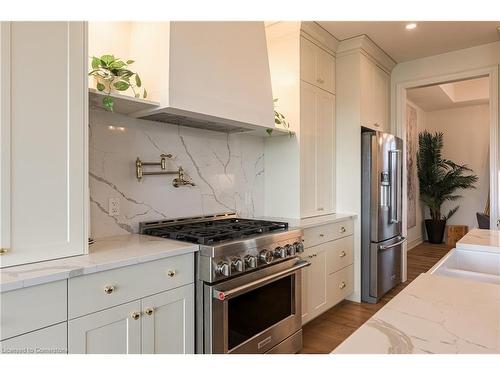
(299, 247)
(290, 250)
(280, 252)
(250, 261)
(266, 256)
(237, 265)
(222, 269)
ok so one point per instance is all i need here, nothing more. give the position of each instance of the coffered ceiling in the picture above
(428, 38)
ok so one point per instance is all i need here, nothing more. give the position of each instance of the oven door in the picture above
(254, 312)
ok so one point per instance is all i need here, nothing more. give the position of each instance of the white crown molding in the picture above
(365, 45)
(319, 35)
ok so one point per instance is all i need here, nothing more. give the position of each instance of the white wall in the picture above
(228, 171)
(466, 141)
(415, 234)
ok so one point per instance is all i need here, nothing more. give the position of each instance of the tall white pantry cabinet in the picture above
(43, 137)
(300, 178)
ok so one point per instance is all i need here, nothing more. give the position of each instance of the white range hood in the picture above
(211, 75)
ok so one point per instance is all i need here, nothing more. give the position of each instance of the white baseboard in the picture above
(414, 243)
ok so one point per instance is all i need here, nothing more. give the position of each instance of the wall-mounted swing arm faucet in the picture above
(177, 182)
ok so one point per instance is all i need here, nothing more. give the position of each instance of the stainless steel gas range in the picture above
(248, 287)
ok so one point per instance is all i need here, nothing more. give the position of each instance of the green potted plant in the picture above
(279, 120)
(113, 73)
(439, 179)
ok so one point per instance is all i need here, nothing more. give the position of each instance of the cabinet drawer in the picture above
(328, 232)
(101, 290)
(32, 308)
(340, 285)
(339, 254)
(50, 340)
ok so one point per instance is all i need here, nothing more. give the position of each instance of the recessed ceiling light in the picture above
(411, 26)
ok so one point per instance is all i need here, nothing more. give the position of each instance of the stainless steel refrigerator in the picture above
(381, 203)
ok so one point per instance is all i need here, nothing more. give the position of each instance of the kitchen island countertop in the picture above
(105, 254)
(480, 240)
(433, 314)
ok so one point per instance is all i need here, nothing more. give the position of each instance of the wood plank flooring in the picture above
(328, 330)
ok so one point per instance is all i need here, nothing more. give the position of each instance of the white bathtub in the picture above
(469, 264)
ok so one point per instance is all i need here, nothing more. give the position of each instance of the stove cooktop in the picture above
(211, 232)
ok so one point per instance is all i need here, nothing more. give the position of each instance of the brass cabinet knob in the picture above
(320, 80)
(342, 229)
(321, 235)
(171, 273)
(149, 311)
(342, 254)
(109, 289)
(136, 315)
(342, 285)
(376, 124)
(4, 250)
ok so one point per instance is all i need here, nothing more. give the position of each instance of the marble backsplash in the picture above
(228, 171)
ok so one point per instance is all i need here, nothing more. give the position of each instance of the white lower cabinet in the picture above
(167, 322)
(330, 277)
(50, 340)
(159, 324)
(113, 331)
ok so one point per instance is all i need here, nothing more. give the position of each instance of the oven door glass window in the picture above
(259, 309)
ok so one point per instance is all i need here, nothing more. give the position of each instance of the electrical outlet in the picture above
(114, 206)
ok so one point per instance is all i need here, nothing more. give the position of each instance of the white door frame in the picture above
(400, 130)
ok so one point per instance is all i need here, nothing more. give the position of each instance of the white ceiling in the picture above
(451, 95)
(429, 38)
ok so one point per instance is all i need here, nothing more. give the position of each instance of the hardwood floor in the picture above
(328, 330)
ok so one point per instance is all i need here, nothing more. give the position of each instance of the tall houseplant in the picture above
(439, 179)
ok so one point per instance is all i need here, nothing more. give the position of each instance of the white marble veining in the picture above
(106, 253)
(228, 171)
(480, 240)
(434, 314)
(312, 221)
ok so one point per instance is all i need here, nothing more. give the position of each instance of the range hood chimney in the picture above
(211, 75)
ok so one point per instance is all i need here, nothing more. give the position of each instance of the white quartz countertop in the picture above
(105, 254)
(434, 314)
(312, 221)
(480, 240)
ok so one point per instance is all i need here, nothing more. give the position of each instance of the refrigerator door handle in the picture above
(396, 181)
(400, 242)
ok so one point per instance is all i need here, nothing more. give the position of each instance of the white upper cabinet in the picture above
(317, 66)
(374, 96)
(43, 106)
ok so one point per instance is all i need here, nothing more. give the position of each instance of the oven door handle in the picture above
(221, 295)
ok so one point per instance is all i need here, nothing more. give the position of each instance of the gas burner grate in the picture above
(216, 231)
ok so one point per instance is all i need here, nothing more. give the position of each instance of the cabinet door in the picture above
(314, 285)
(366, 93)
(317, 66)
(50, 340)
(325, 70)
(43, 106)
(111, 331)
(168, 322)
(325, 152)
(308, 131)
(380, 99)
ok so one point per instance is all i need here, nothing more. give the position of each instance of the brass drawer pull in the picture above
(342, 285)
(136, 315)
(149, 311)
(321, 235)
(171, 273)
(109, 289)
(342, 229)
(4, 250)
(320, 80)
(342, 254)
